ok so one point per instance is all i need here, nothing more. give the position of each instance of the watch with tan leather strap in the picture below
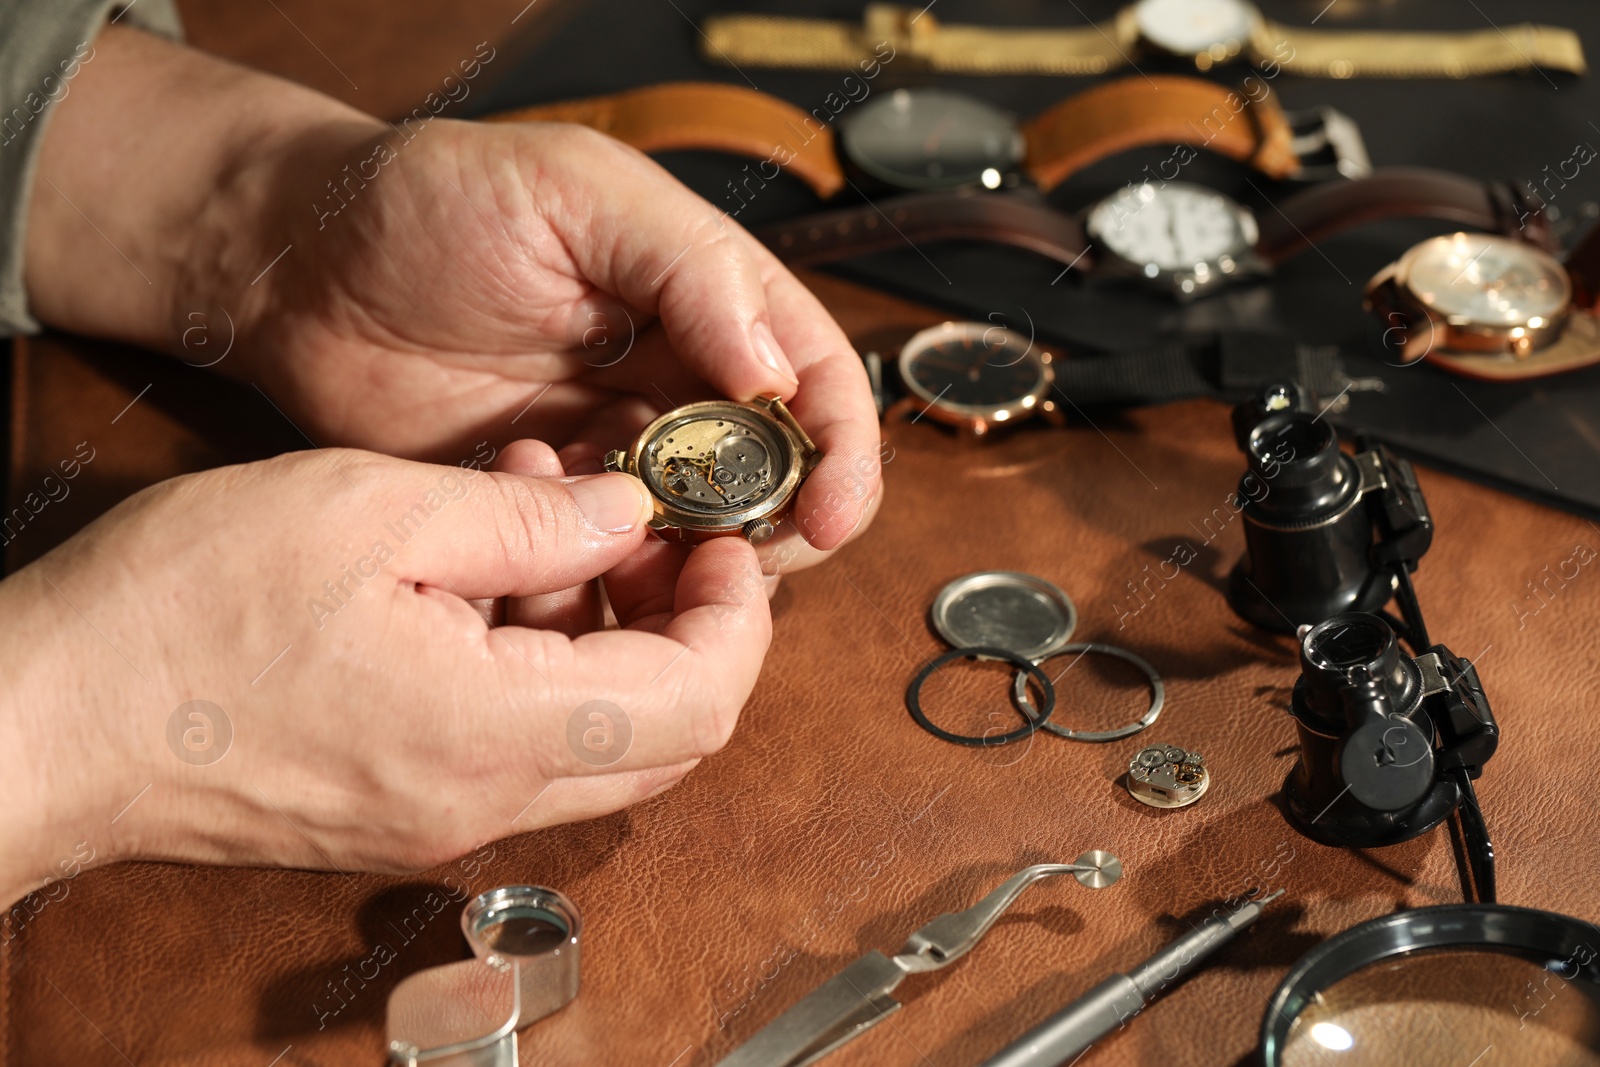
(1208, 32)
(934, 139)
(719, 118)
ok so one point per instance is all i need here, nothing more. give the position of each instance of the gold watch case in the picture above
(720, 467)
(1483, 306)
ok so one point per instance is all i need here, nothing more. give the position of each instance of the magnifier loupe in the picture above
(525, 940)
(1443, 987)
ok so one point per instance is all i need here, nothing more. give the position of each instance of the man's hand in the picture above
(418, 288)
(283, 663)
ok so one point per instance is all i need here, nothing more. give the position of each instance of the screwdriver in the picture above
(1070, 1032)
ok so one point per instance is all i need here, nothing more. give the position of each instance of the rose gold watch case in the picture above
(976, 421)
(758, 521)
(1542, 345)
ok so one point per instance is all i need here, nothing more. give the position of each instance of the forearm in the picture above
(154, 196)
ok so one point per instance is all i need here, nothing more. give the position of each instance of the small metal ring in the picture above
(1158, 695)
(1025, 669)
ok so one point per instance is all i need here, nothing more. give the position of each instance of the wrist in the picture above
(58, 796)
(185, 219)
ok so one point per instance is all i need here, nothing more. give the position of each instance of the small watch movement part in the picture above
(1168, 776)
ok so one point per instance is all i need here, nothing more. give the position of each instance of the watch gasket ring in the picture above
(1026, 668)
(959, 589)
(1158, 695)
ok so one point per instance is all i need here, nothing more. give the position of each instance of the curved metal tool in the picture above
(858, 997)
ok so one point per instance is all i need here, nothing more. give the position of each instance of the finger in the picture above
(488, 534)
(681, 690)
(529, 458)
(665, 251)
(570, 611)
(575, 799)
(643, 588)
(833, 403)
(789, 551)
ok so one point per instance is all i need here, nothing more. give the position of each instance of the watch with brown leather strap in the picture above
(916, 139)
(1208, 32)
(1179, 237)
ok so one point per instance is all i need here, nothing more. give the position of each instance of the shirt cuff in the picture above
(43, 46)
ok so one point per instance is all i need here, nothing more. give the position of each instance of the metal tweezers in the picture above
(858, 997)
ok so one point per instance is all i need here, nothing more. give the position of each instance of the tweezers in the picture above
(858, 997)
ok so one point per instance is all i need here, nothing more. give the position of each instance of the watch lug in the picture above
(1328, 144)
(616, 462)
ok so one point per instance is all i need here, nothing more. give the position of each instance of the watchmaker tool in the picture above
(1066, 1035)
(858, 997)
(525, 940)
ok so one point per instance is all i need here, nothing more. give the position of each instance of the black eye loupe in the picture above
(1323, 529)
(1388, 742)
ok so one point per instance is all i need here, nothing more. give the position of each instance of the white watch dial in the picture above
(1174, 227)
(1189, 27)
(1487, 280)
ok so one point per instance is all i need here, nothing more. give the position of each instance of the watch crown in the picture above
(616, 462)
(758, 531)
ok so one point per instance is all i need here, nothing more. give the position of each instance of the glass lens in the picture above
(1451, 1008)
(523, 930)
(930, 139)
(1492, 281)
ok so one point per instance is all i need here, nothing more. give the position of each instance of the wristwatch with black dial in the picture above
(975, 376)
(720, 467)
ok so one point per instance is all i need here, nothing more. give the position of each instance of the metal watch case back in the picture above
(720, 467)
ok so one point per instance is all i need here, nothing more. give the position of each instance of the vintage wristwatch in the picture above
(920, 139)
(1176, 236)
(975, 376)
(1208, 32)
(1483, 306)
(1181, 238)
(720, 467)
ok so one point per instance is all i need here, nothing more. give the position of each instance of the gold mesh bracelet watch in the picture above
(893, 31)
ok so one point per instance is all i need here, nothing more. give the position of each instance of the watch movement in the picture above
(720, 467)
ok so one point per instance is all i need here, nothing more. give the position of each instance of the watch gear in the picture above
(712, 464)
(1167, 776)
(720, 467)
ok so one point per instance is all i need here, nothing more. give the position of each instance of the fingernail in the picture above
(768, 352)
(613, 503)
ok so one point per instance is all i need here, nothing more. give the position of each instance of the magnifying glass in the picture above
(525, 942)
(1460, 985)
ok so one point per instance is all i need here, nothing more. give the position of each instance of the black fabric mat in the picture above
(1539, 439)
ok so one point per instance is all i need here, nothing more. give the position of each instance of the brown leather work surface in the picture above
(831, 824)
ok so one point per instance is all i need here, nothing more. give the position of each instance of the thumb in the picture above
(493, 534)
